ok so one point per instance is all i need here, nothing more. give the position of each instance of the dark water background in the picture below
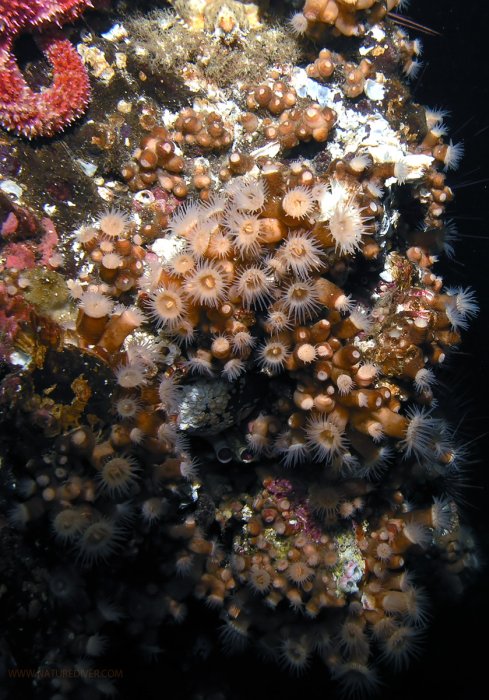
(455, 661)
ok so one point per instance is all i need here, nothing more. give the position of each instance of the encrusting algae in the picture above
(225, 359)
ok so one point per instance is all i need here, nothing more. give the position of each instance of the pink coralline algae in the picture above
(22, 255)
(19, 256)
(14, 311)
(45, 113)
(48, 242)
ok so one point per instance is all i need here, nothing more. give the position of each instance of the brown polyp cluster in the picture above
(238, 163)
(222, 18)
(425, 320)
(335, 381)
(306, 124)
(276, 98)
(295, 124)
(324, 65)
(410, 52)
(347, 17)
(355, 75)
(283, 557)
(436, 194)
(155, 161)
(89, 489)
(118, 259)
(159, 160)
(207, 131)
(281, 552)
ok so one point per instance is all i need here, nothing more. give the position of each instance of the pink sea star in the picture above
(49, 111)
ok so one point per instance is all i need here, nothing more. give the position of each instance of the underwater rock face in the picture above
(219, 388)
